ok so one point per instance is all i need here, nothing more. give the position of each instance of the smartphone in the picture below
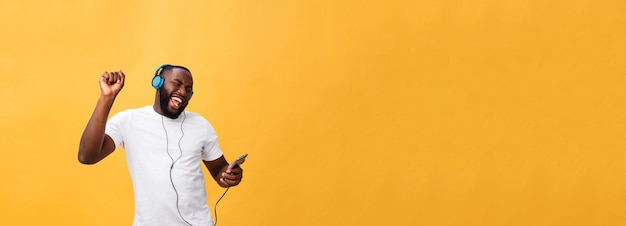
(238, 161)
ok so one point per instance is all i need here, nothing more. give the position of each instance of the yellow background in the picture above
(451, 112)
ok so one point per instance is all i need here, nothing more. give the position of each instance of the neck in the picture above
(157, 104)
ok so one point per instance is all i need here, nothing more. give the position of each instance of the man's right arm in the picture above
(95, 145)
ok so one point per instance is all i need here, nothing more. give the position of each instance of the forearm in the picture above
(92, 140)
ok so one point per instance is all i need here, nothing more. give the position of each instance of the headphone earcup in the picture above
(190, 95)
(157, 81)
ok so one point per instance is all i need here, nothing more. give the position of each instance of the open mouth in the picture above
(176, 102)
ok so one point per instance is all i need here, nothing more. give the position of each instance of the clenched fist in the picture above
(111, 83)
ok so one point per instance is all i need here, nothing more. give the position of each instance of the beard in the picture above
(164, 100)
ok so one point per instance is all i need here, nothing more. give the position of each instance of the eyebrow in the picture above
(177, 80)
(181, 82)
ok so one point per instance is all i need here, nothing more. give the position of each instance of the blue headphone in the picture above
(157, 81)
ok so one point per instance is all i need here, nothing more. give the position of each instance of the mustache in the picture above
(164, 99)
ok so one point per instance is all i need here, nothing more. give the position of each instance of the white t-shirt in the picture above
(152, 143)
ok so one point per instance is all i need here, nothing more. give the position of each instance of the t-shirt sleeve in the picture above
(114, 128)
(211, 149)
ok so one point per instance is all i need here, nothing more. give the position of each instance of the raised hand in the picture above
(94, 144)
(111, 83)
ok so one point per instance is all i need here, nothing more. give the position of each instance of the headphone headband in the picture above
(159, 69)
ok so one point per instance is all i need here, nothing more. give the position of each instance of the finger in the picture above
(109, 77)
(228, 182)
(236, 167)
(237, 170)
(224, 182)
(232, 176)
(115, 76)
(122, 77)
(231, 182)
(228, 176)
(105, 77)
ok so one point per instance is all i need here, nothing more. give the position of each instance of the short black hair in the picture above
(171, 67)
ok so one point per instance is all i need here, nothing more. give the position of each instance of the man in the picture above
(164, 147)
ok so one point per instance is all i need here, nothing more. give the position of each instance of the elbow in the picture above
(85, 161)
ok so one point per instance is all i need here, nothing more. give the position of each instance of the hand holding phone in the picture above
(238, 161)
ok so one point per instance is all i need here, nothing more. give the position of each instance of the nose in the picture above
(183, 91)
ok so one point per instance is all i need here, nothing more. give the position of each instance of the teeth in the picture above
(177, 101)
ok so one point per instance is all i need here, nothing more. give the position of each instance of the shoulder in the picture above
(138, 110)
(193, 116)
(198, 119)
(131, 112)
